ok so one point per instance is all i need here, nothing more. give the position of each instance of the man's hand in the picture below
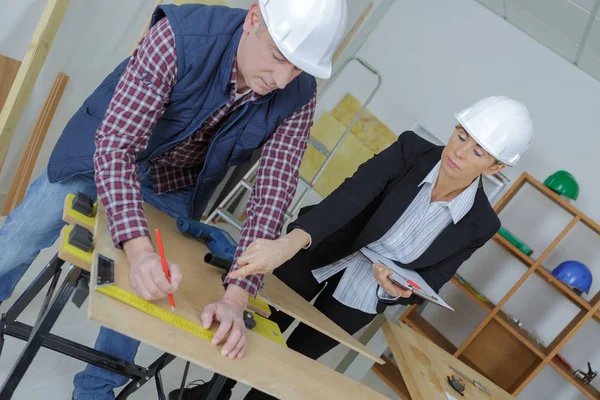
(382, 274)
(263, 256)
(147, 276)
(229, 312)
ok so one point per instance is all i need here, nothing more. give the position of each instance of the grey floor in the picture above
(51, 374)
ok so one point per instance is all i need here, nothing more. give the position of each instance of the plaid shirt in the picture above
(138, 102)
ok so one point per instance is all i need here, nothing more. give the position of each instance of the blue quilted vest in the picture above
(206, 39)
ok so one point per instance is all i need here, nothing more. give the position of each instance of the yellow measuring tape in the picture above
(264, 327)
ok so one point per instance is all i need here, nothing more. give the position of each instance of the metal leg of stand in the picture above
(159, 386)
(47, 298)
(214, 388)
(33, 289)
(152, 371)
(185, 374)
(38, 334)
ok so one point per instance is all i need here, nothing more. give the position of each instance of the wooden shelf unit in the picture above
(498, 348)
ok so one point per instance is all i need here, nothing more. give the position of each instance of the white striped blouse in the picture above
(406, 240)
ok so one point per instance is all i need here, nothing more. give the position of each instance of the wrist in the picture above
(295, 241)
(237, 295)
(137, 246)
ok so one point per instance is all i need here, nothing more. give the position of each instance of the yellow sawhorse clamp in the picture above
(78, 256)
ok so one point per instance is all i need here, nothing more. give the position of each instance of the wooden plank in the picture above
(502, 241)
(519, 334)
(502, 358)
(564, 289)
(294, 305)
(267, 365)
(588, 390)
(421, 325)
(349, 156)
(510, 193)
(351, 33)
(566, 335)
(29, 158)
(29, 70)
(594, 226)
(8, 71)
(390, 374)
(348, 38)
(424, 367)
(373, 134)
(189, 254)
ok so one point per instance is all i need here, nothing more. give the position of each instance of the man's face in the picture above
(464, 158)
(260, 62)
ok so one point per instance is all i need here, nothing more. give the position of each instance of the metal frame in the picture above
(38, 335)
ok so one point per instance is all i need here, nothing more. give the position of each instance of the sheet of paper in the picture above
(450, 397)
(407, 278)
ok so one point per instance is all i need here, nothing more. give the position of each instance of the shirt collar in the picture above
(233, 82)
(461, 204)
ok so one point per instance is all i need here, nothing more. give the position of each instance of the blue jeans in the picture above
(35, 224)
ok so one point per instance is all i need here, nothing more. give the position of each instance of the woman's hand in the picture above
(263, 256)
(382, 273)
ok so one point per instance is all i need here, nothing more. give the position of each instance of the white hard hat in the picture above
(502, 126)
(307, 32)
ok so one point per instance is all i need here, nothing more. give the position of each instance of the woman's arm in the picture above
(357, 191)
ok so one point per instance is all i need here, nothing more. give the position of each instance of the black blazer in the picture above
(365, 206)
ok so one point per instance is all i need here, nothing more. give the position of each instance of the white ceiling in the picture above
(565, 26)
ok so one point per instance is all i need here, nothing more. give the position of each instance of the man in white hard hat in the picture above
(204, 88)
(416, 203)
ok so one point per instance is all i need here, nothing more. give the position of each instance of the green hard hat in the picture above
(563, 183)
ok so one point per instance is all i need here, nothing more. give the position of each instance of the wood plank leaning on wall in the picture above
(30, 68)
(29, 158)
(8, 71)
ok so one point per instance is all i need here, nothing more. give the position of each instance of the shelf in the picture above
(390, 374)
(500, 356)
(486, 306)
(520, 333)
(562, 202)
(564, 289)
(589, 391)
(421, 325)
(514, 250)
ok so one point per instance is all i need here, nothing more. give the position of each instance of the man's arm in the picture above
(137, 104)
(276, 182)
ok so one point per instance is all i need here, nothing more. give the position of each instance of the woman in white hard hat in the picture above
(418, 204)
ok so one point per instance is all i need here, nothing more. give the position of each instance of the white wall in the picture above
(438, 56)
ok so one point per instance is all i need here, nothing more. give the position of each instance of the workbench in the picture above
(267, 365)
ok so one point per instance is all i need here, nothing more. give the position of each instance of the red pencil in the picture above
(164, 264)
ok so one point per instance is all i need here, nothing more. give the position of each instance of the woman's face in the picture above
(464, 158)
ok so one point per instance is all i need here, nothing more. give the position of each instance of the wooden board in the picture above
(201, 284)
(294, 305)
(368, 137)
(8, 71)
(425, 366)
(327, 130)
(29, 158)
(267, 365)
(30, 68)
(373, 134)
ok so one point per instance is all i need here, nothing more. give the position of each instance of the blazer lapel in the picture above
(395, 202)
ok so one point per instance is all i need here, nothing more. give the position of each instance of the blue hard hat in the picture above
(575, 275)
